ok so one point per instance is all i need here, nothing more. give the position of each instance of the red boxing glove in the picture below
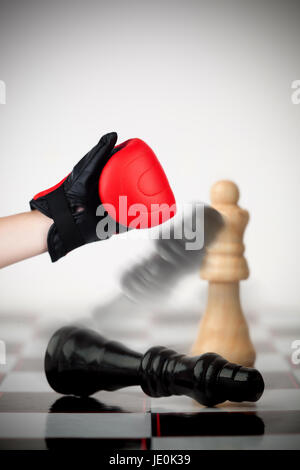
(133, 187)
(94, 186)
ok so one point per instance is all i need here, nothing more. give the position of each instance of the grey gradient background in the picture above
(207, 84)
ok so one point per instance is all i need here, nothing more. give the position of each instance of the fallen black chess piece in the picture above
(80, 362)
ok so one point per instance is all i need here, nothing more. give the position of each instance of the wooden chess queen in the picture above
(223, 328)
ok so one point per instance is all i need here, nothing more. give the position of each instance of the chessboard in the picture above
(33, 416)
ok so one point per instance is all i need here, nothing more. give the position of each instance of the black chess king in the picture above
(81, 362)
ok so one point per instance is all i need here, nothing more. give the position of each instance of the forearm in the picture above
(23, 236)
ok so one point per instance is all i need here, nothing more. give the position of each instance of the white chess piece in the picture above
(223, 328)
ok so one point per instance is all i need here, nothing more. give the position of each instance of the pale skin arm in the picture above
(23, 236)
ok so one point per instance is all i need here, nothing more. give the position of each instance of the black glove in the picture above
(134, 172)
(72, 203)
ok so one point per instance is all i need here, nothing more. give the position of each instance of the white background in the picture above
(207, 85)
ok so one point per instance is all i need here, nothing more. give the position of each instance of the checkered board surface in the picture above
(32, 416)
